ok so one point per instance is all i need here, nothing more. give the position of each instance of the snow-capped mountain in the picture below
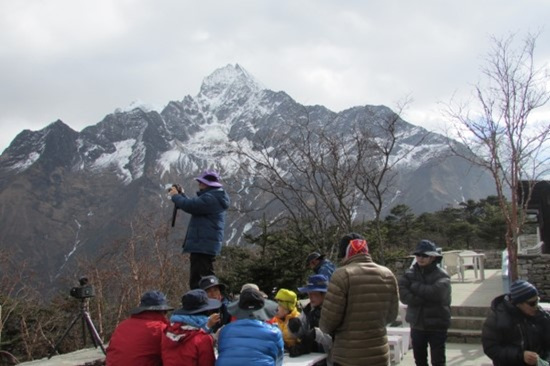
(64, 192)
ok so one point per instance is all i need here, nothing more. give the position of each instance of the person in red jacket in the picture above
(187, 340)
(136, 341)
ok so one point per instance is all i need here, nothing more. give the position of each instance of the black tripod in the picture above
(84, 315)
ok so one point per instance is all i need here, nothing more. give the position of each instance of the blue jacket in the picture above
(325, 267)
(205, 230)
(250, 342)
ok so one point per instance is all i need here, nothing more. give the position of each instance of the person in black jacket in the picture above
(426, 289)
(306, 326)
(517, 331)
(217, 291)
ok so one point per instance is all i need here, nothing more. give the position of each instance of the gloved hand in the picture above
(295, 326)
(298, 350)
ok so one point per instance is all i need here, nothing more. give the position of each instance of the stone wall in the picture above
(535, 269)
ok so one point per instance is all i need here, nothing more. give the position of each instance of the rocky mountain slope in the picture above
(65, 193)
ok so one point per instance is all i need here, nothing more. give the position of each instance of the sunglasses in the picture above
(532, 303)
(422, 255)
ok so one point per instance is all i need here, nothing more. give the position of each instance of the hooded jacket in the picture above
(205, 229)
(137, 340)
(250, 342)
(289, 339)
(325, 267)
(362, 298)
(508, 332)
(187, 345)
(427, 293)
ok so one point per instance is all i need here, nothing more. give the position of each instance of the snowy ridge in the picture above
(202, 131)
(227, 78)
(119, 160)
(137, 104)
(25, 164)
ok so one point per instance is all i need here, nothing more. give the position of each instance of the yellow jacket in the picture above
(288, 338)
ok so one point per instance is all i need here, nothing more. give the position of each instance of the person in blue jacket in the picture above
(320, 265)
(205, 230)
(250, 340)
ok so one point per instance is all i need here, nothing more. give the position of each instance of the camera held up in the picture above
(175, 211)
(83, 291)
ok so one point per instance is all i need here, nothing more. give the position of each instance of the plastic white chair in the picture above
(453, 264)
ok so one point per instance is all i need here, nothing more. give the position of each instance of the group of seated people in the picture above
(210, 330)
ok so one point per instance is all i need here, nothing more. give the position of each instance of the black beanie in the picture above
(344, 242)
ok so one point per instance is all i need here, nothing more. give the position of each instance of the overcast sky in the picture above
(79, 60)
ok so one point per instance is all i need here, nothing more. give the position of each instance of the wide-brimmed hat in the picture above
(210, 177)
(252, 305)
(314, 255)
(426, 247)
(317, 283)
(197, 301)
(152, 301)
(210, 281)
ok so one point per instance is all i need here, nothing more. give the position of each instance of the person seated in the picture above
(186, 341)
(270, 305)
(306, 326)
(287, 301)
(137, 340)
(517, 330)
(320, 265)
(217, 291)
(250, 340)
(255, 287)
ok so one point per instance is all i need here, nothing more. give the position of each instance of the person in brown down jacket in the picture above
(361, 300)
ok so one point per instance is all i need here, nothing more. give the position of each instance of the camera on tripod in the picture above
(83, 291)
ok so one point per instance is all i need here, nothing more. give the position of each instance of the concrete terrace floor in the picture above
(474, 292)
(471, 292)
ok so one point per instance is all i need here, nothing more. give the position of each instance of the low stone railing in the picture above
(534, 268)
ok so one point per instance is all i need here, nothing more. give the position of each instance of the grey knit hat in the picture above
(521, 291)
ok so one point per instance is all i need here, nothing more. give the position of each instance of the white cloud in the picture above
(78, 60)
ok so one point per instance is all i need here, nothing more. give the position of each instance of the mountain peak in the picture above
(228, 77)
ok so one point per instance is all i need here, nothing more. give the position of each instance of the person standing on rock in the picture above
(426, 289)
(205, 230)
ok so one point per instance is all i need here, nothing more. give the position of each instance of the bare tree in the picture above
(309, 171)
(501, 134)
(378, 155)
(324, 172)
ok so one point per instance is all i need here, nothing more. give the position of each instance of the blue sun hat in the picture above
(317, 283)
